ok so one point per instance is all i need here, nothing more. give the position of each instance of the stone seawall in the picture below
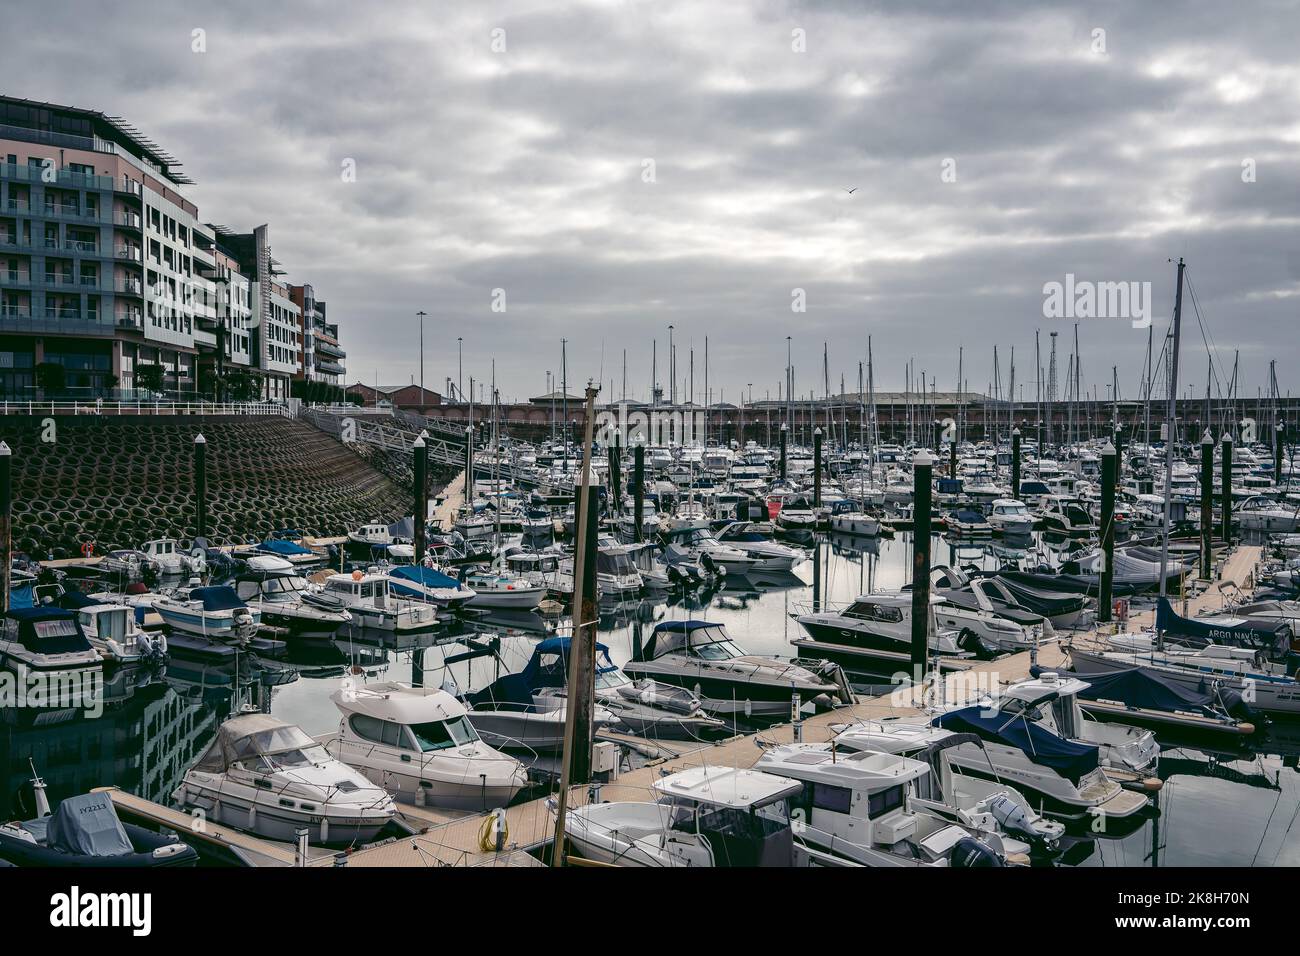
(120, 481)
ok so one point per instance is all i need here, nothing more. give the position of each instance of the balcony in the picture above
(329, 348)
(130, 320)
(34, 174)
(329, 368)
(14, 312)
(128, 254)
(17, 205)
(128, 220)
(129, 287)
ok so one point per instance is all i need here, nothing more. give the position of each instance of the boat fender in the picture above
(970, 852)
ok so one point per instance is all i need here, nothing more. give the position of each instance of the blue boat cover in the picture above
(21, 596)
(217, 598)
(1043, 747)
(429, 577)
(282, 547)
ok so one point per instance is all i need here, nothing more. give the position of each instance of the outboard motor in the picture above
(1013, 819)
(970, 852)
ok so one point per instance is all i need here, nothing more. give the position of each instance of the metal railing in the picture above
(142, 407)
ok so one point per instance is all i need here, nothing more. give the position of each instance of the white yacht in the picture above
(1010, 516)
(112, 630)
(419, 745)
(754, 538)
(698, 546)
(862, 806)
(503, 590)
(168, 558)
(214, 612)
(369, 600)
(286, 600)
(267, 777)
(873, 628)
(49, 643)
(705, 816)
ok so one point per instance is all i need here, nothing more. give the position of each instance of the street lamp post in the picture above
(421, 315)
(460, 370)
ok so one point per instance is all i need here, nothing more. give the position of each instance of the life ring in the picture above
(87, 548)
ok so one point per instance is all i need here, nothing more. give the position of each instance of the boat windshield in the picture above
(443, 734)
(614, 562)
(283, 586)
(302, 757)
(711, 644)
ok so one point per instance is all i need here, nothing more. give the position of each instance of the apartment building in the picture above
(321, 357)
(106, 267)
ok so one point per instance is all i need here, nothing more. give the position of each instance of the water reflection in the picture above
(1219, 805)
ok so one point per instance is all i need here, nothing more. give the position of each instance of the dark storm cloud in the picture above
(523, 171)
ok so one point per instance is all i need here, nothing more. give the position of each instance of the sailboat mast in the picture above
(1171, 418)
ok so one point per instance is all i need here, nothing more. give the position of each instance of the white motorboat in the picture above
(705, 816)
(1067, 515)
(503, 590)
(267, 777)
(1060, 778)
(286, 600)
(419, 745)
(1267, 686)
(974, 608)
(645, 707)
(855, 522)
(691, 546)
(699, 656)
(166, 556)
(860, 805)
(125, 562)
(650, 523)
(875, 628)
(48, 643)
(431, 585)
(797, 514)
(111, 629)
(374, 535)
(1258, 513)
(754, 538)
(369, 600)
(214, 612)
(1009, 516)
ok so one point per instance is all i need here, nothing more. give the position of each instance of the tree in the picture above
(51, 377)
(110, 383)
(149, 377)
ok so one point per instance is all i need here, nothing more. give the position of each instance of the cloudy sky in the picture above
(617, 167)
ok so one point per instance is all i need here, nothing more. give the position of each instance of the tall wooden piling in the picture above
(1109, 473)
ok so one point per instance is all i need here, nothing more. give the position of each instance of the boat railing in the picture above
(143, 407)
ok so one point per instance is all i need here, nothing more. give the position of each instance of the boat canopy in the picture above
(671, 636)
(217, 598)
(1070, 759)
(48, 630)
(248, 736)
(549, 663)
